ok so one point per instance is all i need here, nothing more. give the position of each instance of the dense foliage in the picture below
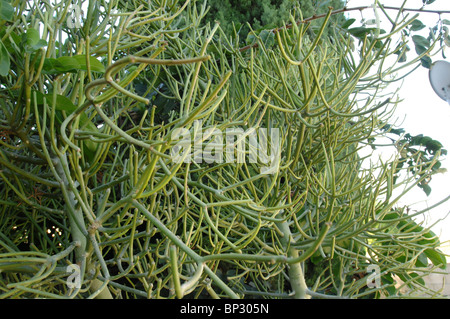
(237, 16)
(93, 204)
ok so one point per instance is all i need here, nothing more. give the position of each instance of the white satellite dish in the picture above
(440, 79)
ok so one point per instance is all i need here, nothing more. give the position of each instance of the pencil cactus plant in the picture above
(93, 203)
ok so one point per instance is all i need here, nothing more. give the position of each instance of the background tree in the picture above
(241, 16)
(93, 204)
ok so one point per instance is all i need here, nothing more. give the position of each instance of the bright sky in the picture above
(423, 112)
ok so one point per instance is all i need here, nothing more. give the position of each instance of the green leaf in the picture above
(401, 52)
(387, 279)
(436, 257)
(409, 225)
(61, 65)
(62, 103)
(420, 49)
(430, 239)
(417, 25)
(424, 140)
(391, 290)
(267, 37)
(433, 146)
(360, 32)
(251, 38)
(317, 258)
(6, 11)
(5, 62)
(94, 64)
(417, 278)
(402, 57)
(426, 62)
(30, 37)
(348, 23)
(426, 188)
(412, 276)
(49, 65)
(67, 64)
(31, 40)
(420, 41)
(72, 64)
(40, 44)
(422, 260)
(446, 21)
(390, 216)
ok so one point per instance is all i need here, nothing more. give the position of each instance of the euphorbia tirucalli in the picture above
(94, 205)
